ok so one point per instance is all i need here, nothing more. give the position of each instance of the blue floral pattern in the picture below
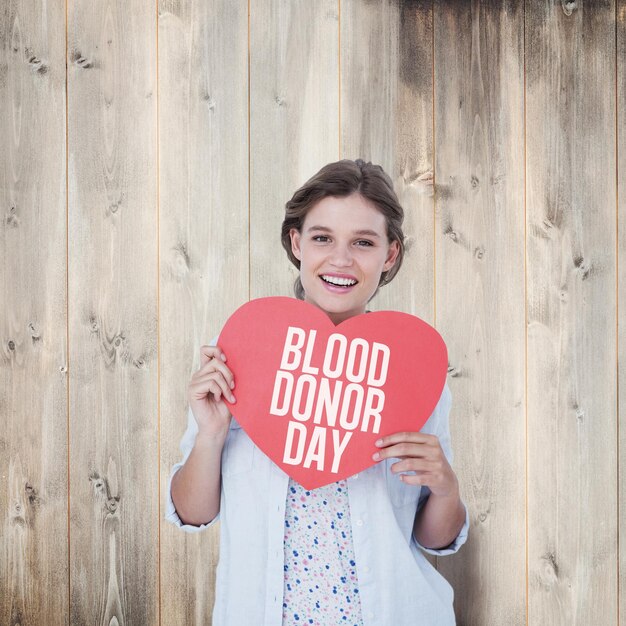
(321, 586)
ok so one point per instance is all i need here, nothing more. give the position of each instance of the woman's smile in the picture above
(338, 283)
(343, 249)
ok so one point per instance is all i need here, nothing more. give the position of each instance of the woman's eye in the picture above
(364, 243)
(320, 238)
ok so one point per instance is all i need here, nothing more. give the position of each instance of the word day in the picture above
(318, 401)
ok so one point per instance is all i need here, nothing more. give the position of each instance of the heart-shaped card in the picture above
(314, 397)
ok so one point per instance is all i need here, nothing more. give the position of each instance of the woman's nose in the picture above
(341, 256)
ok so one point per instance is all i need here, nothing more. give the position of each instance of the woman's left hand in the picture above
(422, 454)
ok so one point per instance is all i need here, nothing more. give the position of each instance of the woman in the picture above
(350, 552)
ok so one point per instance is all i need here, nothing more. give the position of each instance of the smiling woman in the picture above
(350, 551)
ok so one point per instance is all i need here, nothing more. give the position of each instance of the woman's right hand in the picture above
(206, 392)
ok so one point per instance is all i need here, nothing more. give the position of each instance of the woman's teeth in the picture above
(341, 282)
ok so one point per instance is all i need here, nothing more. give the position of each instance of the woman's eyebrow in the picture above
(362, 232)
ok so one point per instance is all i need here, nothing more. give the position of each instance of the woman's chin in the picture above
(336, 307)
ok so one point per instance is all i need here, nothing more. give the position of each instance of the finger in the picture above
(402, 450)
(209, 390)
(412, 465)
(213, 382)
(433, 481)
(211, 352)
(413, 437)
(415, 479)
(216, 390)
(217, 365)
(217, 378)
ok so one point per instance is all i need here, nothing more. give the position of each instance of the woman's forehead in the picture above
(350, 213)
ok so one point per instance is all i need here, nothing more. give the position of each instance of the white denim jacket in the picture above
(397, 584)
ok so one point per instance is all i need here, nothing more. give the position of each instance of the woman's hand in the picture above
(440, 520)
(206, 392)
(422, 454)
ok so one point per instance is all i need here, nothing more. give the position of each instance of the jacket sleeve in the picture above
(186, 445)
(441, 428)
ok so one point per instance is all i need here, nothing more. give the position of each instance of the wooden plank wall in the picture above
(479, 180)
(112, 314)
(33, 346)
(571, 314)
(142, 192)
(621, 294)
(203, 243)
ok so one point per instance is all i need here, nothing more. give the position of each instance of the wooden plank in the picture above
(571, 261)
(386, 118)
(33, 352)
(294, 122)
(479, 195)
(621, 294)
(203, 175)
(112, 126)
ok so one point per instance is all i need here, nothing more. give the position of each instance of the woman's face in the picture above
(343, 250)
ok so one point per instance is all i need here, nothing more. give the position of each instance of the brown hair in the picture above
(341, 179)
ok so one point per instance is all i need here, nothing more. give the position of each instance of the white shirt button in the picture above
(370, 615)
(359, 522)
(366, 569)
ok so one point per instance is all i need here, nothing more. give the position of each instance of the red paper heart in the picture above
(254, 339)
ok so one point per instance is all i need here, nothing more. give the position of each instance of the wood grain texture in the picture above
(386, 105)
(479, 197)
(571, 261)
(33, 338)
(294, 122)
(173, 224)
(203, 179)
(621, 304)
(114, 469)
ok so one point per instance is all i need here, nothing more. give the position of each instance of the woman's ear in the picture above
(392, 255)
(295, 242)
